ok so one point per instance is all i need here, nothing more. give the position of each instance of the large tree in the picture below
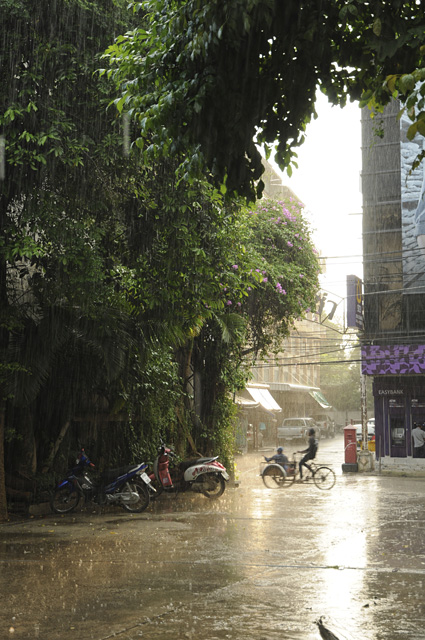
(112, 268)
(213, 77)
(271, 282)
(56, 202)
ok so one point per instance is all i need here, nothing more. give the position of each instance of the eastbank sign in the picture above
(390, 392)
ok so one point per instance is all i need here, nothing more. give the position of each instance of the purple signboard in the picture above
(393, 359)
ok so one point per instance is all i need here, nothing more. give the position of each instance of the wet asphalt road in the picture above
(257, 564)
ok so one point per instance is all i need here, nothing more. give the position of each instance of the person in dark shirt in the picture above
(279, 458)
(310, 452)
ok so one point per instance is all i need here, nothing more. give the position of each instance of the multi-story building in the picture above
(393, 339)
(295, 372)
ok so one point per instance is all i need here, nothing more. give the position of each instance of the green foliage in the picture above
(341, 386)
(340, 370)
(409, 88)
(150, 392)
(272, 281)
(47, 60)
(204, 80)
(181, 245)
(122, 274)
(286, 264)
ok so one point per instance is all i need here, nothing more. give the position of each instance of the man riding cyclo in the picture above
(310, 452)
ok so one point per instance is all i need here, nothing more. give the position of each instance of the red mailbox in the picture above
(350, 445)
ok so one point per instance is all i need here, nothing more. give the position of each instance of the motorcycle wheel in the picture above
(139, 487)
(158, 489)
(213, 486)
(64, 500)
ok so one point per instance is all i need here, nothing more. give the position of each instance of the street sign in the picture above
(355, 302)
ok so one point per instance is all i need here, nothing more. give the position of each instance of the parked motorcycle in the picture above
(204, 475)
(128, 487)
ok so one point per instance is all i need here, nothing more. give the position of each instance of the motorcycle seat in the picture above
(112, 474)
(194, 461)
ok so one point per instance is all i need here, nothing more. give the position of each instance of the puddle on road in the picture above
(255, 565)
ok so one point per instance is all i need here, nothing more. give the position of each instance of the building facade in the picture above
(393, 340)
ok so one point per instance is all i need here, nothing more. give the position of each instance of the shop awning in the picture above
(264, 397)
(320, 399)
(287, 386)
(244, 403)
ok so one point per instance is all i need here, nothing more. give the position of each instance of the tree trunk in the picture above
(4, 341)
(55, 447)
(3, 500)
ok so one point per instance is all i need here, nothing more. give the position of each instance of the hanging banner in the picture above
(354, 302)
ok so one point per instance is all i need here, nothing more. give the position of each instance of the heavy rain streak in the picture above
(157, 282)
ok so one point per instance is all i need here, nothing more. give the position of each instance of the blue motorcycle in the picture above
(128, 487)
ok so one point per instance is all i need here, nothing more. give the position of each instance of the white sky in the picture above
(328, 182)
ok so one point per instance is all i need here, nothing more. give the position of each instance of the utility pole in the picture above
(363, 409)
(365, 457)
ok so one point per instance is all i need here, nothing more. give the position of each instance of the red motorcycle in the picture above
(203, 475)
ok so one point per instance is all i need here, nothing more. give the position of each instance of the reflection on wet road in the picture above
(257, 564)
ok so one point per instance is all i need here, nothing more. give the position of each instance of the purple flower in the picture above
(249, 289)
(265, 279)
(289, 244)
(235, 266)
(229, 302)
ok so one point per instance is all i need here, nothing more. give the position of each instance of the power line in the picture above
(282, 360)
(402, 252)
(309, 364)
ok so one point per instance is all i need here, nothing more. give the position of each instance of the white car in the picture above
(297, 429)
(370, 430)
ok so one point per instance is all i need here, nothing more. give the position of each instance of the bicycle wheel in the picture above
(274, 477)
(324, 478)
